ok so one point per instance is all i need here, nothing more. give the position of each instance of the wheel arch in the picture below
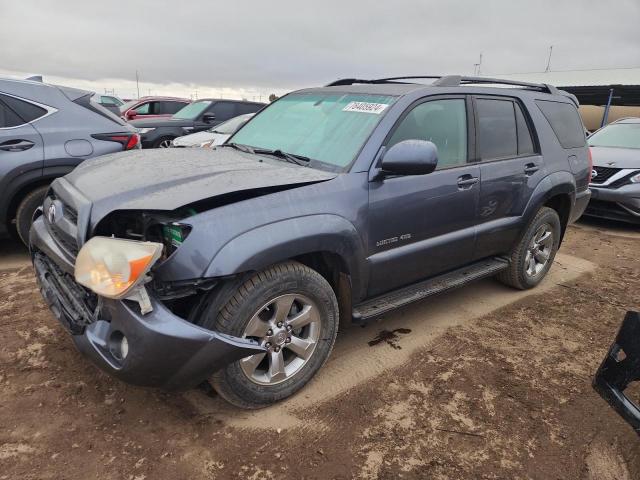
(556, 191)
(27, 182)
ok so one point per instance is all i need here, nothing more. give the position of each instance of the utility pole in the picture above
(549, 59)
(137, 84)
(477, 66)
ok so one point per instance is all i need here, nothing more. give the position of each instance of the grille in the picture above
(603, 174)
(63, 230)
(71, 303)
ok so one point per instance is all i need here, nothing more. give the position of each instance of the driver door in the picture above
(423, 225)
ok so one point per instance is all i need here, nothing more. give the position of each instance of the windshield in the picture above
(327, 127)
(191, 111)
(230, 126)
(621, 135)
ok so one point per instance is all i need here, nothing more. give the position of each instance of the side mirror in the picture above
(410, 157)
(209, 118)
(131, 114)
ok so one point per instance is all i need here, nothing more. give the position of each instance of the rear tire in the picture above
(293, 311)
(532, 257)
(26, 209)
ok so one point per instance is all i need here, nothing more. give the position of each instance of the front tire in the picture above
(292, 311)
(532, 257)
(26, 209)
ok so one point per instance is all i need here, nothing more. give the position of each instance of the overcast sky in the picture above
(242, 48)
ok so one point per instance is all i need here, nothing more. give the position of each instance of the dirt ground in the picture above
(484, 382)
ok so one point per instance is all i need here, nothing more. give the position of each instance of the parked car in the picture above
(152, 107)
(620, 368)
(110, 102)
(214, 136)
(615, 181)
(236, 264)
(195, 117)
(45, 132)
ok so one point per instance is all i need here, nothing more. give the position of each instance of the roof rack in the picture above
(448, 81)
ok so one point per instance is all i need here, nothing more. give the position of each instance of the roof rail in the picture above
(449, 81)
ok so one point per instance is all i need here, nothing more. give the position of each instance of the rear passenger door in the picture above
(422, 225)
(510, 168)
(21, 146)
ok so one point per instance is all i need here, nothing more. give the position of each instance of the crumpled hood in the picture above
(166, 179)
(615, 157)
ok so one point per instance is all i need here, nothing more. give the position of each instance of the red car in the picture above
(152, 107)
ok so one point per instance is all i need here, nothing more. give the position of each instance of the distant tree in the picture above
(273, 97)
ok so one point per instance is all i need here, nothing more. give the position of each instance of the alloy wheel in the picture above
(539, 251)
(288, 326)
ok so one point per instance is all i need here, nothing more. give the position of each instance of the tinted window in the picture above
(28, 112)
(620, 135)
(443, 122)
(108, 101)
(171, 107)
(565, 122)
(497, 136)
(223, 110)
(248, 108)
(8, 117)
(525, 142)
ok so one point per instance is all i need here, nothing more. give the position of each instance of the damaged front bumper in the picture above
(620, 367)
(162, 349)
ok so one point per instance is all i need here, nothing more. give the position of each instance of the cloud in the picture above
(279, 45)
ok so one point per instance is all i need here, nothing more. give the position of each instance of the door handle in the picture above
(16, 145)
(531, 168)
(467, 181)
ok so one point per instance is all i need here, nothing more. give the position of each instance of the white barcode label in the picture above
(365, 107)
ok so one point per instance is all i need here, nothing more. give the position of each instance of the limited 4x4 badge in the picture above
(389, 241)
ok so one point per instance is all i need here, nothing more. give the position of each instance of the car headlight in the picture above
(113, 267)
(142, 131)
(635, 178)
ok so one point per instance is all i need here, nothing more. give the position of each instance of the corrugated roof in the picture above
(577, 78)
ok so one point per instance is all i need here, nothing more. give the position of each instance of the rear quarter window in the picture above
(28, 112)
(565, 122)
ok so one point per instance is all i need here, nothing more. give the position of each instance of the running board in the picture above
(404, 296)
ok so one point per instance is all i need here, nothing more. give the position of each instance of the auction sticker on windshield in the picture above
(365, 107)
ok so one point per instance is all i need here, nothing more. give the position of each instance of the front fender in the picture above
(275, 242)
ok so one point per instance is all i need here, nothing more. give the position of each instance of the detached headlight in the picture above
(112, 267)
(142, 131)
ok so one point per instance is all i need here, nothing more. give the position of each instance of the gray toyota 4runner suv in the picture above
(235, 265)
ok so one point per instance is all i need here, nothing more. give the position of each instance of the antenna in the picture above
(549, 59)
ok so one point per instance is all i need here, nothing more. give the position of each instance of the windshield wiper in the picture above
(289, 157)
(238, 146)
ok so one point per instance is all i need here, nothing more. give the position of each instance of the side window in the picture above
(27, 112)
(223, 110)
(8, 118)
(144, 109)
(525, 142)
(497, 134)
(565, 122)
(248, 108)
(171, 107)
(443, 122)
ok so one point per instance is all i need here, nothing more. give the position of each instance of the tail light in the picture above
(129, 141)
(590, 163)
